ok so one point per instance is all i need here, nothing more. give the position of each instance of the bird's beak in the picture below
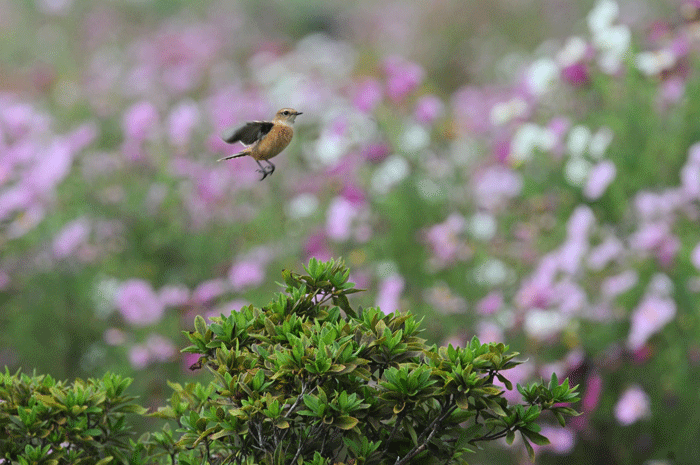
(299, 113)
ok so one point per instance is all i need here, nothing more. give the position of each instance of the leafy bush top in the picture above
(307, 379)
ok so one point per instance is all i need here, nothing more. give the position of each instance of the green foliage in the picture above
(310, 380)
(306, 380)
(44, 421)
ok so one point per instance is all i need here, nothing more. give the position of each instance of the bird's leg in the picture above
(272, 167)
(262, 170)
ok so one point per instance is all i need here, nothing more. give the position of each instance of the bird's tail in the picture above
(242, 153)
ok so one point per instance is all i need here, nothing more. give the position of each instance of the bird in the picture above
(263, 139)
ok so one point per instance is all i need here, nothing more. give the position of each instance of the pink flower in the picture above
(53, 166)
(428, 109)
(443, 300)
(138, 303)
(389, 293)
(561, 440)
(591, 397)
(339, 219)
(114, 336)
(649, 236)
(599, 179)
(376, 152)
(139, 121)
(160, 348)
(632, 406)
(576, 74)
(71, 237)
(403, 77)
(489, 332)
(317, 246)
(209, 290)
(4, 280)
(139, 357)
(445, 239)
(490, 304)
(690, 180)
(368, 94)
(472, 107)
(580, 223)
(174, 296)
(695, 256)
(495, 186)
(599, 256)
(518, 374)
(182, 121)
(650, 317)
(618, 284)
(246, 273)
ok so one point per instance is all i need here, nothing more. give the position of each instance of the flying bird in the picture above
(263, 139)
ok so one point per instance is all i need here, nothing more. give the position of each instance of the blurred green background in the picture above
(524, 171)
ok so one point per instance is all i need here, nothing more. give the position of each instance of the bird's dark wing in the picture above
(249, 133)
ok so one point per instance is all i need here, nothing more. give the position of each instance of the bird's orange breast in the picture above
(273, 142)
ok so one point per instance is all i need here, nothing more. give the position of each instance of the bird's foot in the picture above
(265, 172)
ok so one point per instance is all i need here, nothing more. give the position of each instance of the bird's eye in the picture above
(285, 112)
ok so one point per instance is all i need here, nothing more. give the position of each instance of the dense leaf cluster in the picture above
(44, 421)
(309, 380)
(306, 380)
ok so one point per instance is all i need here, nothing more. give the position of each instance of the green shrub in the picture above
(305, 380)
(308, 379)
(43, 421)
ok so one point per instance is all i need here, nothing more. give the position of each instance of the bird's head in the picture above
(286, 115)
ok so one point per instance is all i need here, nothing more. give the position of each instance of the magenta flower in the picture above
(71, 237)
(633, 405)
(389, 294)
(650, 317)
(599, 178)
(376, 152)
(138, 303)
(594, 389)
(402, 77)
(317, 246)
(576, 74)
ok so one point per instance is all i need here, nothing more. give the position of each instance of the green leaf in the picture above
(345, 422)
(530, 450)
(200, 325)
(536, 438)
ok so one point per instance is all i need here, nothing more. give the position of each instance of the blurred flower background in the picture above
(525, 171)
